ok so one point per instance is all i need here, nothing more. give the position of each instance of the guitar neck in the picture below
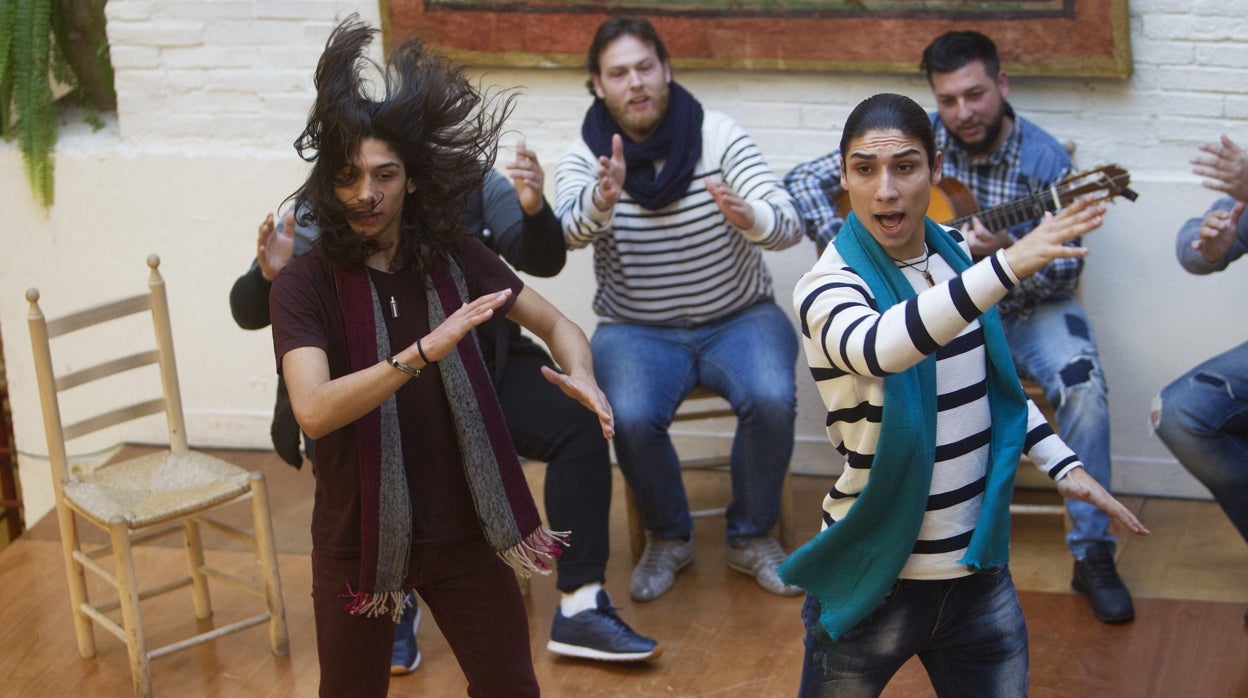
(1028, 208)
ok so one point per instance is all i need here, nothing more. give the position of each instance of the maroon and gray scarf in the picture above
(504, 505)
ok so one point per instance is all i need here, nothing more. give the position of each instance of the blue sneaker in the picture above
(406, 656)
(598, 633)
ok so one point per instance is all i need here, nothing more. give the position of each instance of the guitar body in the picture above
(951, 200)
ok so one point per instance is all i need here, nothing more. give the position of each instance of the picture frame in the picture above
(1066, 38)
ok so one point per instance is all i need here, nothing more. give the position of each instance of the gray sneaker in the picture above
(656, 570)
(758, 558)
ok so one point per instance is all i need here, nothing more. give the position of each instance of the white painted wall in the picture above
(212, 94)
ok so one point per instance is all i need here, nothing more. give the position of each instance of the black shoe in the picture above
(599, 633)
(1096, 578)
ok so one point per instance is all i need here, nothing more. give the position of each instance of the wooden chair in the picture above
(1030, 478)
(146, 497)
(702, 404)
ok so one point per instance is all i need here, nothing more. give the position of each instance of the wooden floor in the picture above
(722, 635)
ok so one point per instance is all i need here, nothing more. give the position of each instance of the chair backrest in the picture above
(169, 401)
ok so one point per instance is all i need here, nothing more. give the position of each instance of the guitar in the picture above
(953, 204)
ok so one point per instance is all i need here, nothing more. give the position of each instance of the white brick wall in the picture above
(213, 92)
(219, 72)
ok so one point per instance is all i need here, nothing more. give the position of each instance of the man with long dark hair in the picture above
(418, 485)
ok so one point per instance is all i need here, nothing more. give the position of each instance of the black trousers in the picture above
(549, 426)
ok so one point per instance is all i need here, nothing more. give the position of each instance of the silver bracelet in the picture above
(413, 372)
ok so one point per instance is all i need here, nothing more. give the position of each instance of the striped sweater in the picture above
(850, 347)
(684, 263)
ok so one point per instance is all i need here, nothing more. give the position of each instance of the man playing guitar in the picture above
(1001, 157)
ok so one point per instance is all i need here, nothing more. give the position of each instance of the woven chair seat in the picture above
(156, 487)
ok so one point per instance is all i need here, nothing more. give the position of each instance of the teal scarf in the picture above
(851, 565)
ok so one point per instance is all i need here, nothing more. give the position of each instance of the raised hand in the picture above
(1046, 242)
(1078, 484)
(588, 394)
(735, 209)
(611, 172)
(274, 248)
(1217, 233)
(1224, 168)
(442, 339)
(527, 176)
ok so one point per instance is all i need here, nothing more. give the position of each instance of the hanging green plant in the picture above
(42, 41)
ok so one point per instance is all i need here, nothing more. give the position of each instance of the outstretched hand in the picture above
(611, 173)
(1224, 168)
(275, 248)
(443, 339)
(735, 209)
(527, 176)
(1218, 232)
(1078, 484)
(1047, 241)
(588, 394)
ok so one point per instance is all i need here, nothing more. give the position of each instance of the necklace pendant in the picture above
(394, 306)
(927, 276)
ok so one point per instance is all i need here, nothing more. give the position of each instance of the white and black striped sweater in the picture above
(850, 346)
(684, 262)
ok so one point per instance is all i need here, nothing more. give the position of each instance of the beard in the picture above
(641, 126)
(984, 145)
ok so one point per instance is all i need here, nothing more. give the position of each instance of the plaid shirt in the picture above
(1027, 161)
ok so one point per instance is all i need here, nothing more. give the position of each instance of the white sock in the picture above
(583, 599)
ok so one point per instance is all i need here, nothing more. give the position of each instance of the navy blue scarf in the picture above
(678, 140)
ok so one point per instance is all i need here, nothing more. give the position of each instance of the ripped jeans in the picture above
(1203, 420)
(1053, 345)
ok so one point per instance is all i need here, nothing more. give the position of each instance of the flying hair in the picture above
(423, 107)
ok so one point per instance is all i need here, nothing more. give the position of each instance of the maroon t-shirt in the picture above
(304, 310)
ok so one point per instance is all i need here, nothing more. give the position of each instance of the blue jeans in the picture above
(1054, 346)
(969, 633)
(1204, 422)
(646, 371)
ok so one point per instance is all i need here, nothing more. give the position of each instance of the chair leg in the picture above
(195, 565)
(636, 532)
(84, 628)
(788, 525)
(266, 547)
(131, 618)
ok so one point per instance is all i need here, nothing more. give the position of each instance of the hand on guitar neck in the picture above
(1047, 241)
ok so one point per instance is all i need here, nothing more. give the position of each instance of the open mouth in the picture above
(890, 222)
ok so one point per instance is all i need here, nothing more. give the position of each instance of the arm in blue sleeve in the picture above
(1191, 259)
(531, 244)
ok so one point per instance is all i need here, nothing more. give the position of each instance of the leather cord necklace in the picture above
(926, 262)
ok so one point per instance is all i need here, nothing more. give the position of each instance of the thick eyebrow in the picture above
(908, 152)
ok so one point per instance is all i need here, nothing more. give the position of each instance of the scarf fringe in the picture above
(535, 552)
(374, 604)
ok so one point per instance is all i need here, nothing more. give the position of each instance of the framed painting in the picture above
(1069, 38)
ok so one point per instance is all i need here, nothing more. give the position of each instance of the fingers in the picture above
(1236, 211)
(593, 399)
(617, 149)
(1078, 484)
(265, 229)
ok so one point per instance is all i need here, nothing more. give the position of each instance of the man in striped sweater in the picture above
(1002, 157)
(678, 203)
(911, 360)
